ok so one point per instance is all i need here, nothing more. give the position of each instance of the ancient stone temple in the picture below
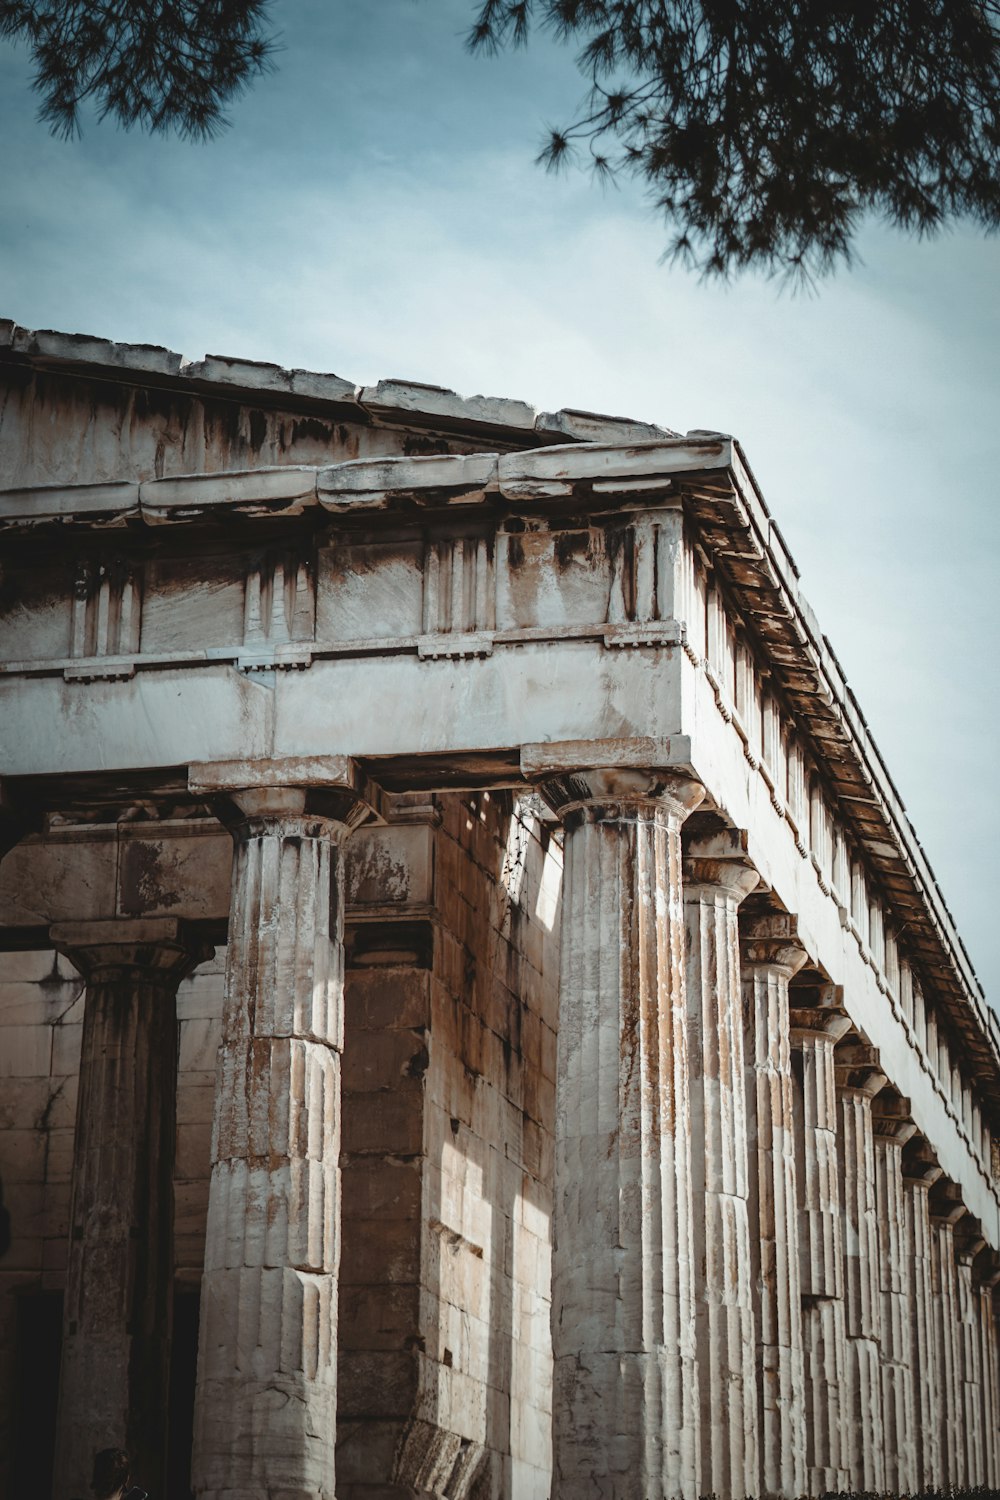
(475, 1019)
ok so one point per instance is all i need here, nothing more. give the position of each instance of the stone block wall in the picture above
(449, 1067)
(385, 1050)
(490, 1109)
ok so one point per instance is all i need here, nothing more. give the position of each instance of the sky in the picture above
(374, 210)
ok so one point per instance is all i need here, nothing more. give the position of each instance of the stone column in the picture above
(893, 1129)
(926, 1384)
(625, 1404)
(119, 1277)
(265, 1408)
(815, 1034)
(972, 1412)
(945, 1213)
(717, 876)
(990, 1275)
(859, 1080)
(771, 955)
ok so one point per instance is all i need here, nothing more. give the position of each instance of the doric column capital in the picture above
(969, 1240)
(946, 1203)
(924, 1181)
(607, 794)
(858, 1069)
(313, 812)
(770, 940)
(947, 1213)
(988, 1269)
(157, 950)
(920, 1167)
(892, 1132)
(818, 1026)
(601, 781)
(822, 1018)
(891, 1120)
(312, 796)
(717, 863)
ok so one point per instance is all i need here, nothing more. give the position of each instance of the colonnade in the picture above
(761, 1285)
(755, 1291)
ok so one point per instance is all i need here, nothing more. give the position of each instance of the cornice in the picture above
(389, 403)
(605, 476)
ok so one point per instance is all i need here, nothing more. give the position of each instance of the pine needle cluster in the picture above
(156, 64)
(765, 129)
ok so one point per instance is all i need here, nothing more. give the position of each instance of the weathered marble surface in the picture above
(266, 1397)
(757, 1166)
(771, 955)
(626, 1404)
(716, 877)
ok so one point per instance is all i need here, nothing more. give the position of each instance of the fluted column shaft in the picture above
(713, 890)
(265, 1413)
(971, 1410)
(822, 1274)
(988, 1358)
(946, 1329)
(625, 1405)
(926, 1393)
(862, 1409)
(896, 1303)
(770, 958)
(119, 1278)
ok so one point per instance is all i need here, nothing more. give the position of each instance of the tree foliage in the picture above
(765, 128)
(158, 64)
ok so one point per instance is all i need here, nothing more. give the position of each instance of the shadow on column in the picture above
(183, 1369)
(37, 1348)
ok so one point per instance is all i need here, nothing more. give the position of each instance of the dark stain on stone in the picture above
(418, 1064)
(226, 418)
(140, 879)
(570, 545)
(621, 543)
(45, 1118)
(414, 445)
(319, 432)
(258, 429)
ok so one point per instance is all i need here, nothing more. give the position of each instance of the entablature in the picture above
(502, 565)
